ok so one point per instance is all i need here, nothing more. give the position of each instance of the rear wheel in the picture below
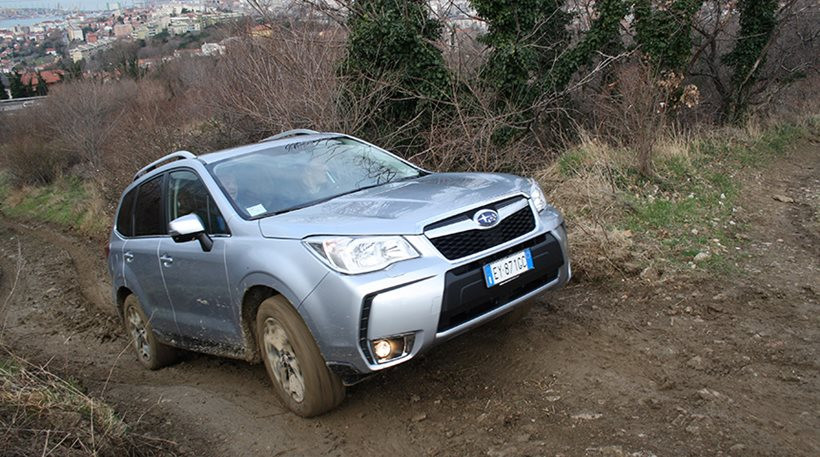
(292, 359)
(151, 353)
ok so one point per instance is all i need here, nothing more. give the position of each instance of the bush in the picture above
(28, 160)
(391, 49)
(82, 116)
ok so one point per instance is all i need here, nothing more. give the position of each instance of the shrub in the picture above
(390, 50)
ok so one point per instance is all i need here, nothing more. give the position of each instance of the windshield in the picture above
(297, 175)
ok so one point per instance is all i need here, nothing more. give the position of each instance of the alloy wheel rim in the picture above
(139, 334)
(282, 360)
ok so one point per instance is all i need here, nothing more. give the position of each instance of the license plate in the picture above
(508, 268)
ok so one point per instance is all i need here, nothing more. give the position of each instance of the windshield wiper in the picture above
(303, 205)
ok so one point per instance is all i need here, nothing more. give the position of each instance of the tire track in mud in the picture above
(217, 406)
(686, 366)
(90, 270)
(212, 406)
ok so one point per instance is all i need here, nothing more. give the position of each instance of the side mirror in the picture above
(190, 227)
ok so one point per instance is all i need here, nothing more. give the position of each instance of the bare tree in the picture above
(281, 80)
(790, 54)
(83, 115)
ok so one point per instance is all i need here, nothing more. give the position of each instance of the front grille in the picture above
(466, 243)
(467, 297)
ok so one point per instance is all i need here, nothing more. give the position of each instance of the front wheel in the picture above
(300, 377)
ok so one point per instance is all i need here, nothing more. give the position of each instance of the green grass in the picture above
(688, 207)
(8, 367)
(755, 152)
(5, 186)
(65, 203)
(571, 162)
(686, 222)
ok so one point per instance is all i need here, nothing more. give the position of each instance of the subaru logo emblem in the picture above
(486, 218)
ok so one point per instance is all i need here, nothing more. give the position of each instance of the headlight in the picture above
(538, 197)
(354, 255)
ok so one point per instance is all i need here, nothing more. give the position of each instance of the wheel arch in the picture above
(122, 293)
(251, 299)
(255, 288)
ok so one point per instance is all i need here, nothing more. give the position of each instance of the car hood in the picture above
(400, 208)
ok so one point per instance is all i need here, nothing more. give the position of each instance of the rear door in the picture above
(197, 281)
(141, 257)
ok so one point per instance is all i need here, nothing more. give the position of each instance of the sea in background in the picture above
(73, 5)
(9, 24)
(65, 5)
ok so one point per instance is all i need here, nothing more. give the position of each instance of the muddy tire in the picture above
(296, 368)
(151, 353)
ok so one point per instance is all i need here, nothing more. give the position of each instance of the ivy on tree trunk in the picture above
(664, 32)
(525, 37)
(392, 42)
(758, 20)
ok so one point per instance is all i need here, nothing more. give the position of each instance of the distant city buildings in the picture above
(85, 51)
(212, 49)
(75, 34)
(123, 30)
(183, 25)
(50, 77)
(41, 48)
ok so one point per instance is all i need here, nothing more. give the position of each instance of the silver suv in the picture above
(324, 256)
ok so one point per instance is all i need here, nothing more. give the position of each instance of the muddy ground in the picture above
(666, 366)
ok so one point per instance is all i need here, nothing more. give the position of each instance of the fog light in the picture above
(392, 347)
(382, 349)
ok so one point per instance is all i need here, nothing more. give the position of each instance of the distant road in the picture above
(19, 103)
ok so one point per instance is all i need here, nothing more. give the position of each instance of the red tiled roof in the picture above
(49, 76)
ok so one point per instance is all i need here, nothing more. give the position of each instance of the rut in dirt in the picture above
(680, 366)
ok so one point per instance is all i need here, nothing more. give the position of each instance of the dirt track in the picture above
(676, 366)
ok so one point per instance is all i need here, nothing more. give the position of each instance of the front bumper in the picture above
(430, 297)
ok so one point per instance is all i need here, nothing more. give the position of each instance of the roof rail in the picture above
(285, 134)
(178, 155)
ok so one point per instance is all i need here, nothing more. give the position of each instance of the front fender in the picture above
(259, 278)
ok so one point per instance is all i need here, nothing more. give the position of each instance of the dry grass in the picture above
(582, 183)
(43, 414)
(622, 223)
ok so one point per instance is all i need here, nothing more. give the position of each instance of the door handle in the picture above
(129, 257)
(166, 260)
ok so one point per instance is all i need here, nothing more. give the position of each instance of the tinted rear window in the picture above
(125, 221)
(148, 212)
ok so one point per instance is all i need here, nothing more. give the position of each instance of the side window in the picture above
(187, 194)
(125, 219)
(148, 209)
